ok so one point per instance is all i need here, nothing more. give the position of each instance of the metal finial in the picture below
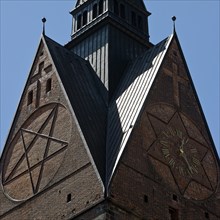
(174, 19)
(44, 21)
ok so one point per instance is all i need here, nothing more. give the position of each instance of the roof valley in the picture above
(106, 127)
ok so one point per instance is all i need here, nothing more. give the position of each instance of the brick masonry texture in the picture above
(144, 185)
(74, 168)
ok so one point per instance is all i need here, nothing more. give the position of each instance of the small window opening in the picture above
(206, 215)
(42, 53)
(116, 7)
(94, 12)
(173, 214)
(85, 17)
(133, 18)
(122, 11)
(30, 97)
(145, 198)
(140, 22)
(69, 198)
(48, 85)
(100, 7)
(40, 67)
(38, 94)
(79, 21)
(175, 198)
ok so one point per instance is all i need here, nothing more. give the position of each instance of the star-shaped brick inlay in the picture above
(182, 154)
(36, 151)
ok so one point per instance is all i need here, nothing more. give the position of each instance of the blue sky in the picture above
(197, 26)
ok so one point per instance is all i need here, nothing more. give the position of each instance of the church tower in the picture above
(109, 34)
(109, 126)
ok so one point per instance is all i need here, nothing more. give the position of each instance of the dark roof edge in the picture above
(197, 98)
(45, 39)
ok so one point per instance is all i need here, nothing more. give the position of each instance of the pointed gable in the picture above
(169, 108)
(165, 147)
(48, 147)
(134, 90)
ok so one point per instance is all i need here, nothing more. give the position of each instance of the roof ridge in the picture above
(125, 109)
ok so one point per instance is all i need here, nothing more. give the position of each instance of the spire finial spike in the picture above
(44, 21)
(174, 27)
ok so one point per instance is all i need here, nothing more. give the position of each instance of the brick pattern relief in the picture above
(168, 166)
(47, 172)
(36, 152)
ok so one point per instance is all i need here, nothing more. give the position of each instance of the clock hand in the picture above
(182, 153)
(183, 142)
(181, 146)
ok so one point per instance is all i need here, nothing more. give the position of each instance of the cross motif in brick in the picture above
(176, 80)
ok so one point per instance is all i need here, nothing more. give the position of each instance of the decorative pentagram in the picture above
(35, 153)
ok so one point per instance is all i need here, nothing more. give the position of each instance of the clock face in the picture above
(181, 154)
(178, 152)
(36, 152)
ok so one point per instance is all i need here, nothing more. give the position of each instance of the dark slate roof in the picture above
(106, 127)
(87, 97)
(138, 3)
(130, 97)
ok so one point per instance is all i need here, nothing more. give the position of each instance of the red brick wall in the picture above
(73, 172)
(144, 184)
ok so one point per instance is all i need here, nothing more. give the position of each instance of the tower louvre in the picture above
(100, 28)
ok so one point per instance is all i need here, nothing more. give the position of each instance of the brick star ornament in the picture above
(36, 152)
(182, 150)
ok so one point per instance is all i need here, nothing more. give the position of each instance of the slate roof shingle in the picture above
(106, 127)
(129, 99)
(87, 97)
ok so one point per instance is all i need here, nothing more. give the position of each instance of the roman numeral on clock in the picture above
(172, 162)
(166, 152)
(164, 143)
(194, 169)
(179, 133)
(196, 161)
(181, 171)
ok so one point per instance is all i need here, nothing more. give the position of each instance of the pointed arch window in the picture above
(48, 85)
(206, 215)
(173, 214)
(69, 198)
(100, 7)
(37, 103)
(94, 11)
(85, 13)
(79, 21)
(30, 97)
